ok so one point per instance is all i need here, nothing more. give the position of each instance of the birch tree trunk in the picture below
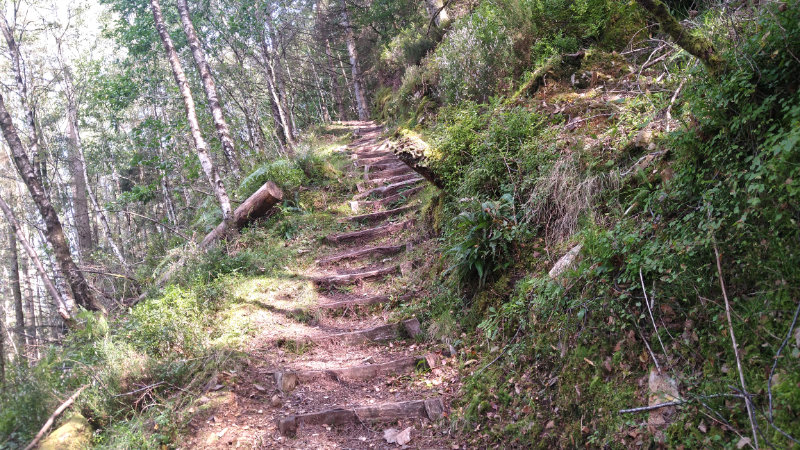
(53, 229)
(201, 147)
(16, 288)
(284, 125)
(73, 133)
(337, 88)
(39, 159)
(223, 131)
(358, 84)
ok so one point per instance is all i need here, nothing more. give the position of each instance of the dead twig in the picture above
(53, 417)
(674, 403)
(650, 311)
(747, 401)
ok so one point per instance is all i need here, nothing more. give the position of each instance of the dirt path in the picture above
(332, 363)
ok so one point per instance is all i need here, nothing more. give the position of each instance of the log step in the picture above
(394, 164)
(390, 189)
(347, 278)
(363, 252)
(400, 170)
(380, 215)
(390, 180)
(356, 205)
(371, 154)
(369, 233)
(431, 409)
(365, 301)
(389, 332)
(361, 162)
(288, 380)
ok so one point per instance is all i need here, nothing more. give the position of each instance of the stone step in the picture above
(348, 278)
(363, 253)
(369, 233)
(432, 409)
(377, 216)
(384, 191)
(366, 154)
(406, 328)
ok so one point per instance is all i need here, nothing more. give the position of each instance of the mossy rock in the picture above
(74, 434)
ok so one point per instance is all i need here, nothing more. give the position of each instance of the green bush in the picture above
(284, 172)
(483, 239)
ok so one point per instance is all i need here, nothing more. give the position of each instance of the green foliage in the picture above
(284, 172)
(472, 57)
(484, 236)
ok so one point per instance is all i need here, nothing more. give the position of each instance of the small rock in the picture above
(276, 401)
(565, 262)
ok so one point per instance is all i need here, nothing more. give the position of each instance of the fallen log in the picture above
(257, 205)
(53, 417)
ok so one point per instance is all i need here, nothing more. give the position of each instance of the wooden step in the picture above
(369, 233)
(363, 301)
(400, 170)
(356, 205)
(432, 409)
(347, 278)
(380, 215)
(288, 380)
(384, 191)
(361, 162)
(378, 168)
(363, 252)
(388, 180)
(389, 332)
(358, 155)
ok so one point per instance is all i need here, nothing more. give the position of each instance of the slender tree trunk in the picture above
(39, 158)
(278, 106)
(16, 289)
(73, 132)
(337, 88)
(358, 82)
(54, 230)
(188, 101)
(223, 132)
(699, 46)
(80, 203)
(16, 230)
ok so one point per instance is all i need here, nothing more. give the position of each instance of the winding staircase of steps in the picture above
(357, 272)
(361, 373)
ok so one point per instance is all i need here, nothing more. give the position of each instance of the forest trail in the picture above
(333, 363)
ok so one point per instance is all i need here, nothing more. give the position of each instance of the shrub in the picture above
(483, 237)
(284, 172)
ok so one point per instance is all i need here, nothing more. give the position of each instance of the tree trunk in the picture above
(16, 288)
(699, 46)
(15, 229)
(278, 105)
(188, 102)
(39, 158)
(223, 131)
(254, 207)
(358, 82)
(438, 12)
(337, 88)
(80, 203)
(73, 132)
(54, 231)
